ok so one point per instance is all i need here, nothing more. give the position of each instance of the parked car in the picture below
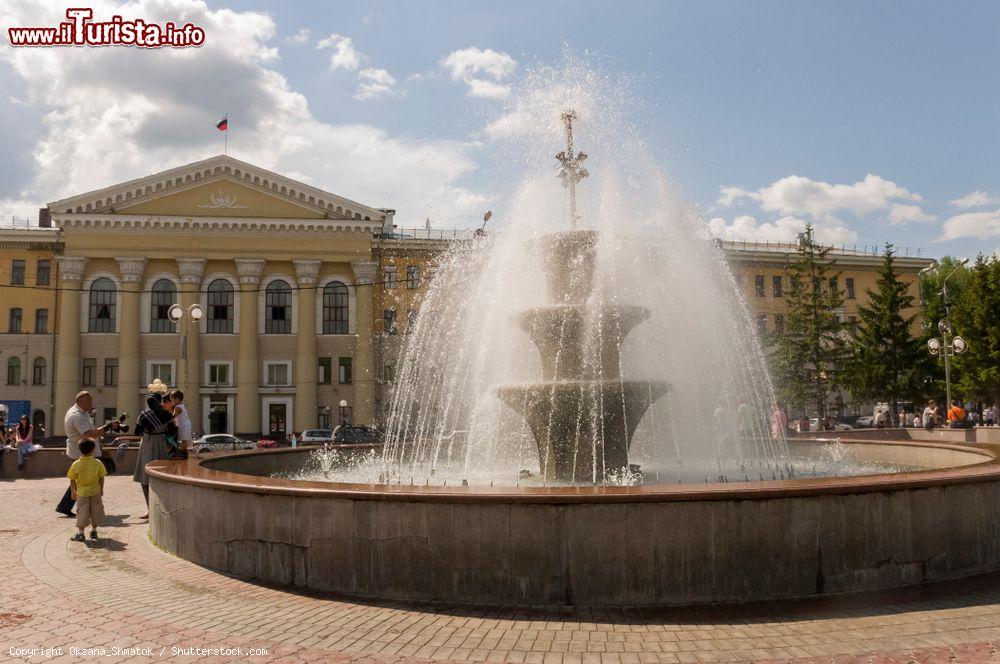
(837, 426)
(219, 442)
(313, 436)
(354, 434)
(865, 422)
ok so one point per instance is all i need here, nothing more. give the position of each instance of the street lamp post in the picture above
(177, 313)
(942, 346)
(343, 412)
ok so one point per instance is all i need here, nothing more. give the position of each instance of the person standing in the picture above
(154, 423)
(182, 420)
(990, 415)
(779, 423)
(24, 434)
(79, 425)
(86, 484)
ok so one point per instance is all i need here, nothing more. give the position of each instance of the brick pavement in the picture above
(124, 592)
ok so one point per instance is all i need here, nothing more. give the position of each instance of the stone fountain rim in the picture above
(197, 471)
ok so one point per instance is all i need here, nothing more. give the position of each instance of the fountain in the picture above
(582, 414)
(534, 455)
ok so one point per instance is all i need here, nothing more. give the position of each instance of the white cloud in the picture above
(797, 195)
(980, 225)
(99, 125)
(785, 229)
(976, 199)
(374, 83)
(344, 56)
(301, 37)
(421, 76)
(903, 214)
(482, 70)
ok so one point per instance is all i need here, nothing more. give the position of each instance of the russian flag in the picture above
(223, 124)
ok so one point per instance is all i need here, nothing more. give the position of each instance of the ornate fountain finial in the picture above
(570, 172)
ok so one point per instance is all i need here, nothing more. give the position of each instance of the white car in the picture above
(837, 426)
(220, 442)
(313, 436)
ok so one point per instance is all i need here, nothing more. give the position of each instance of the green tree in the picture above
(886, 357)
(808, 358)
(976, 318)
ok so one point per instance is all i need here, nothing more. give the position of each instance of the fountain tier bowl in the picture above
(643, 545)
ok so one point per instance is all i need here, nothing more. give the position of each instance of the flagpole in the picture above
(225, 149)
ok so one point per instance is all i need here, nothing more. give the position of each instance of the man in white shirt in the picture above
(78, 425)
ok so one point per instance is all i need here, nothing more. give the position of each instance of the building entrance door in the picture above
(277, 417)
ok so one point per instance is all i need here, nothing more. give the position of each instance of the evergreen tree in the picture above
(886, 356)
(976, 318)
(809, 356)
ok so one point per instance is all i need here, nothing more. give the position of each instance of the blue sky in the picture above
(789, 104)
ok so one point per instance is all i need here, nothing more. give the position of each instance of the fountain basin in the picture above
(645, 545)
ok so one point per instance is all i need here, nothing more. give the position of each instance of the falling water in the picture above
(652, 255)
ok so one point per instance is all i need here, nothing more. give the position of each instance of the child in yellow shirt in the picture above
(86, 482)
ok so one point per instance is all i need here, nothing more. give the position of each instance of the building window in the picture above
(834, 287)
(101, 316)
(218, 373)
(389, 321)
(17, 272)
(323, 418)
(13, 371)
(162, 370)
(39, 371)
(335, 307)
(220, 307)
(14, 326)
(389, 277)
(110, 371)
(43, 273)
(276, 373)
(413, 276)
(278, 308)
(762, 324)
(776, 286)
(41, 321)
(38, 421)
(344, 368)
(779, 323)
(110, 414)
(389, 372)
(163, 297)
(89, 375)
(849, 282)
(758, 281)
(325, 376)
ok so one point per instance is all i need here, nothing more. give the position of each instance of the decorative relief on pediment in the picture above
(222, 199)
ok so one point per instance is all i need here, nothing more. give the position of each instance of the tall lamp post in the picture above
(942, 346)
(176, 314)
(343, 412)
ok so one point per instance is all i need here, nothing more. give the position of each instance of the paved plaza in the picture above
(124, 593)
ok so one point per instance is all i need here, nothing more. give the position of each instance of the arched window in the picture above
(14, 371)
(220, 307)
(278, 308)
(38, 420)
(163, 296)
(39, 371)
(101, 313)
(335, 308)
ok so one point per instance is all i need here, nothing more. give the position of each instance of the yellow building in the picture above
(28, 319)
(282, 271)
(307, 297)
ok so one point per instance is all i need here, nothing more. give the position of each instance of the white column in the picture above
(364, 358)
(306, 365)
(191, 271)
(67, 370)
(130, 377)
(248, 363)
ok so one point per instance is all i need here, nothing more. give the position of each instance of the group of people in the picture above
(19, 438)
(166, 433)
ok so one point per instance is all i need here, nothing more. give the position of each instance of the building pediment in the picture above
(220, 186)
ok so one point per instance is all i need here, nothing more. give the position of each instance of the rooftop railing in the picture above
(849, 249)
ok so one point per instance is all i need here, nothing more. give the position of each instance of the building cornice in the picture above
(183, 177)
(223, 225)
